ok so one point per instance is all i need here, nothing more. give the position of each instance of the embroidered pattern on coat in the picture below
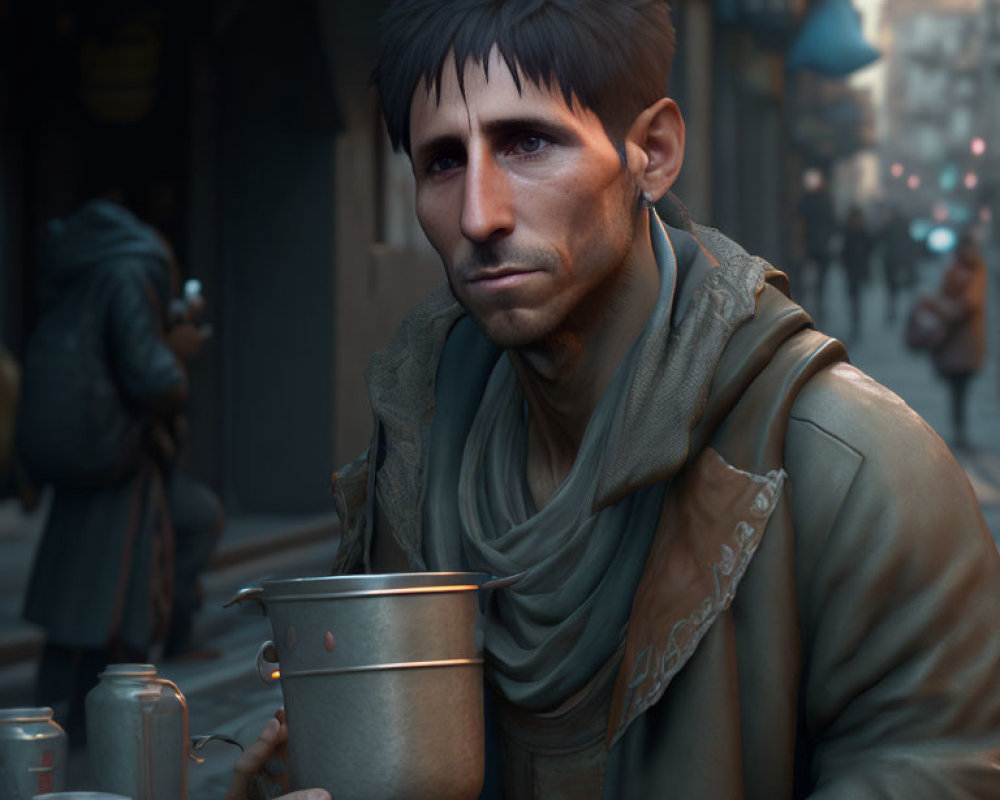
(653, 669)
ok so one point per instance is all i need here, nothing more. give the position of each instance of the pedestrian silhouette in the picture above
(961, 303)
(899, 257)
(855, 258)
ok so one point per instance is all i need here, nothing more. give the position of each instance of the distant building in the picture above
(932, 111)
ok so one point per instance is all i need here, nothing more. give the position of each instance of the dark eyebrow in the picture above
(498, 129)
(508, 125)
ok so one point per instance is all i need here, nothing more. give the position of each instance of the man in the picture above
(750, 571)
(899, 259)
(855, 258)
(103, 381)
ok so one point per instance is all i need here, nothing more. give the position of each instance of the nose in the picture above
(487, 210)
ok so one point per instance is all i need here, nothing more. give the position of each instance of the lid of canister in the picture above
(42, 714)
(80, 796)
(129, 671)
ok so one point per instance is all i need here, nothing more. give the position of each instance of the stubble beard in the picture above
(521, 329)
(509, 328)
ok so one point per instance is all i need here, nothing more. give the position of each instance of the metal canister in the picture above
(137, 734)
(32, 753)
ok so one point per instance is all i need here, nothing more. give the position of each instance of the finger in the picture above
(260, 751)
(251, 760)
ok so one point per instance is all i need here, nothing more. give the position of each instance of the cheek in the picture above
(430, 216)
(603, 212)
(599, 196)
(425, 216)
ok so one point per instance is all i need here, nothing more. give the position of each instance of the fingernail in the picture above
(318, 794)
(273, 724)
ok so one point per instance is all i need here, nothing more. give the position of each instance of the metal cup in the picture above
(382, 678)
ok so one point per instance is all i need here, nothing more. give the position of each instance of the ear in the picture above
(654, 147)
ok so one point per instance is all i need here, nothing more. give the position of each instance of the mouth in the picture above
(500, 281)
(498, 274)
(497, 279)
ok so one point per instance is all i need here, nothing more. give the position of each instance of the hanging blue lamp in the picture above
(831, 42)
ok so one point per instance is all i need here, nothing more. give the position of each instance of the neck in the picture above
(565, 375)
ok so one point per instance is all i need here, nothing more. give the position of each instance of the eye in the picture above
(529, 144)
(442, 163)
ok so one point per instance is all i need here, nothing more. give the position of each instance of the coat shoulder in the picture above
(850, 406)
(844, 422)
(864, 467)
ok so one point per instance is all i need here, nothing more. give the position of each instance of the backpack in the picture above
(925, 328)
(74, 428)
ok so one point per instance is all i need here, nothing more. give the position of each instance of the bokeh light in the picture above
(949, 178)
(941, 239)
(919, 229)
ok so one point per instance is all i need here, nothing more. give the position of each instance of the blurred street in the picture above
(245, 135)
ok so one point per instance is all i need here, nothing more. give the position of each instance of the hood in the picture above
(732, 314)
(99, 232)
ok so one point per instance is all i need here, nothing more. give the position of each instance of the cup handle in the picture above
(267, 653)
(198, 742)
(245, 598)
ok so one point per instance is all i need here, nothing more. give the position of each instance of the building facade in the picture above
(254, 129)
(933, 108)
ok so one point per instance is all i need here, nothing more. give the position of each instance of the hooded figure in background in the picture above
(103, 385)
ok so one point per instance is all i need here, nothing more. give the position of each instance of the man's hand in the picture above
(263, 768)
(186, 339)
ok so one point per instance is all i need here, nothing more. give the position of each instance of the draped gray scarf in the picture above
(548, 634)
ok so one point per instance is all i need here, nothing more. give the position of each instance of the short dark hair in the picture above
(611, 56)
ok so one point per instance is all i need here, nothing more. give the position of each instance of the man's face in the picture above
(526, 201)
